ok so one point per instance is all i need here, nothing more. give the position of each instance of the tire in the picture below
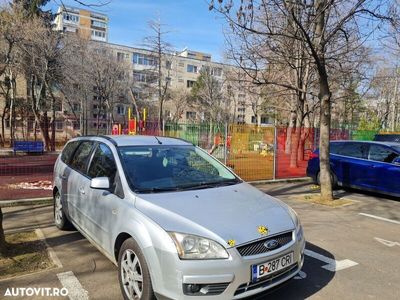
(333, 180)
(60, 219)
(132, 267)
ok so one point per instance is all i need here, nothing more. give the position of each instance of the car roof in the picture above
(137, 140)
(390, 144)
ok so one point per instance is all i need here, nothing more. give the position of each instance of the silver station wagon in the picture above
(177, 222)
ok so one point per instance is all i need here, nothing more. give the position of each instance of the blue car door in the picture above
(386, 174)
(352, 166)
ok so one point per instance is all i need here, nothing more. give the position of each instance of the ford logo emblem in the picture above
(271, 244)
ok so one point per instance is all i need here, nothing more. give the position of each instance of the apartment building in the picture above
(88, 24)
(181, 69)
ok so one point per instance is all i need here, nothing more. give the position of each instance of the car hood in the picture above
(223, 213)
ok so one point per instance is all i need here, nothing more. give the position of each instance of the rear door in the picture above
(386, 174)
(63, 171)
(77, 182)
(354, 169)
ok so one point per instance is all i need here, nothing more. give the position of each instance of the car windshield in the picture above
(152, 169)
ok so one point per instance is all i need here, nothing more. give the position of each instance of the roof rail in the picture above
(110, 139)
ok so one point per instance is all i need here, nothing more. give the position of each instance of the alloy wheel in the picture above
(131, 275)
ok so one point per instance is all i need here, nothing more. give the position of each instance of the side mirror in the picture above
(100, 183)
(396, 161)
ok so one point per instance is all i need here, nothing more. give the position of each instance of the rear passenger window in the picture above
(334, 148)
(81, 157)
(380, 153)
(357, 150)
(68, 151)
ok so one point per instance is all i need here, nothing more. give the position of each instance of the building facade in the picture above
(88, 24)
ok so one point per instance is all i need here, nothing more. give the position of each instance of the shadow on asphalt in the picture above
(315, 280)
(290, 189)
(68, 237)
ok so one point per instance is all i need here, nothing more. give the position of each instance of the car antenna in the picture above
(159, 142)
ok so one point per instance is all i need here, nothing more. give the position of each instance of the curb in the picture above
(26, 202)
(289, 180)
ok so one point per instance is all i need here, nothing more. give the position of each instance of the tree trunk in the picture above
(53, 123)
(325, 101)
(3, 244)
(305, 134)
(288, 144)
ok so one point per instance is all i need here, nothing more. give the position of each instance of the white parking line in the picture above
(74, 287)
(332, 264)
(387, 242)
(380, 218)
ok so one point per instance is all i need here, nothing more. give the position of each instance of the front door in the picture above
(386, 174)
(101, 206)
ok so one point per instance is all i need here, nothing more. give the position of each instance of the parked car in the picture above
(176, 221)
(387, 137)
(370, 166)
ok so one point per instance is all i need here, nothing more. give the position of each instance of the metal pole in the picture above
(226, 144)
(275, 151)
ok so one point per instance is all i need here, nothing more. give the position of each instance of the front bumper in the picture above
(223, 279)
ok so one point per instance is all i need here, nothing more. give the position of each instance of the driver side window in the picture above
(103, 163)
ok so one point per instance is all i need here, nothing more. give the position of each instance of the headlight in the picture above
(296, 220)
(196, 247)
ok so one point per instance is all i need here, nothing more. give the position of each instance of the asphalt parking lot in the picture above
(352, 251)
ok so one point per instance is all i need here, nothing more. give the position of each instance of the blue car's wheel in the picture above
(333, 180)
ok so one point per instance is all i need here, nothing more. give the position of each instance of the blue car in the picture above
(370, 166)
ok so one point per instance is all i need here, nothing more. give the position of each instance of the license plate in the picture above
(272, 266)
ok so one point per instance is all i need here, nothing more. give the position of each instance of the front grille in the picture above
(267, 280)
(258, 246)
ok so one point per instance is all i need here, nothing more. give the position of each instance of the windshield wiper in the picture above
(156, 190)
(206, 185)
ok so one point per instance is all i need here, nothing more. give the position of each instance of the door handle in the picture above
(82, 191)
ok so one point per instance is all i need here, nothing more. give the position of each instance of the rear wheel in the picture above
(333, 180)
(133, 273)
(60, 219)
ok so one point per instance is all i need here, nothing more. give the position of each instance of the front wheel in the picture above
(133, 273)
(333, 180)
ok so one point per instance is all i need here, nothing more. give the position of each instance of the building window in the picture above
(241, 109)
(76, 125)
(120, 110)
(98, 24)
(98, 34)
(254, 119)
(57, 106)
(120, 56)
(142, 59)
(59, 125)
(168, 65)
(70, 18)
(240, 118)
(76, 107)
(216, 72)
(191, 68)
(143, 77)
(241, 103)
(191, 115)
(190, 83)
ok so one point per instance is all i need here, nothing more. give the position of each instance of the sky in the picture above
(189, 22)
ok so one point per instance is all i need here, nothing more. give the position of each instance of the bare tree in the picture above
(324, 30)
(160, 49)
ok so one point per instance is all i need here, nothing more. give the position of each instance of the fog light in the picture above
(193, 288)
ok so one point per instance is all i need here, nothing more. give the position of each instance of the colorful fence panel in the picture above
(251, 151)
